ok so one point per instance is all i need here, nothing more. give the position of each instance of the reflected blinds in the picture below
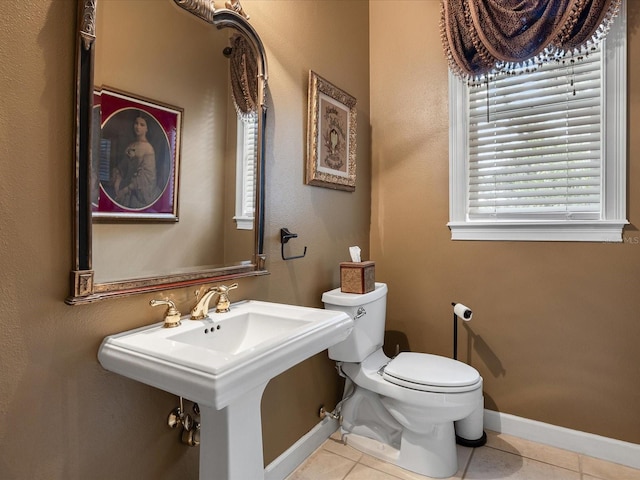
(250, 131)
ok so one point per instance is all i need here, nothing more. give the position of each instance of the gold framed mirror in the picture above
(176, 56)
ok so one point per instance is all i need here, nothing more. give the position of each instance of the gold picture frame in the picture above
(331, 136)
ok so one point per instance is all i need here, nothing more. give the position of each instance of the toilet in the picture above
(411, 409)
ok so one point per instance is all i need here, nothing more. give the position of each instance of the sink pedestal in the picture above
(231, 439)
(224, 363)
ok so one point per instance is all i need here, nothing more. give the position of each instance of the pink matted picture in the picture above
(135, 158)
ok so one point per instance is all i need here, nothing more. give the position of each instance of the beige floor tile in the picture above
(602, 469)
(362, 472)
(464, 454)
(535, 451)
(504, 457)
(335, 445)
(489, 463)
(323, 465)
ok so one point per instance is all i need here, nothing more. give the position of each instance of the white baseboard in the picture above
(605, 448)
(297, 453)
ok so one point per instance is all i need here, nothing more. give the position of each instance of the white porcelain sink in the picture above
(223, 363)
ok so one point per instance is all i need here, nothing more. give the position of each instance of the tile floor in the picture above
(503, 457)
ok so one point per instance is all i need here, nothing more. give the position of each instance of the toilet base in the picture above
(433, 455)
(431, 460)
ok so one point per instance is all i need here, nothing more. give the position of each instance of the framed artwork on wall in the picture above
(136, 158)
(331, 136)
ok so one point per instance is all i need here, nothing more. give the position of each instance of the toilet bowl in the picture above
(407, 410)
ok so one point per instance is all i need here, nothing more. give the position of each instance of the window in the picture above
(542, 155)
(247, 139)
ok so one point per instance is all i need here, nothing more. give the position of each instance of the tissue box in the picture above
(357, 277)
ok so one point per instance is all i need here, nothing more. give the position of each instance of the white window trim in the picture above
(614, 152)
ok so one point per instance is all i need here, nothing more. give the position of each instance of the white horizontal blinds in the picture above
(536, 152)
(250, 146)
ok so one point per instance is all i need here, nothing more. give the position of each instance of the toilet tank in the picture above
(367, 335)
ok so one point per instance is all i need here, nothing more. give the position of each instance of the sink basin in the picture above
(214, 360)
(247, 333)
(224, 363)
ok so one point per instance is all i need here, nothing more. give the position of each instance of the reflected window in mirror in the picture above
(243, 73)
(245, 170)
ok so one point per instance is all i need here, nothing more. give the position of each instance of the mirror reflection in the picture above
(176, 162)
(136, 54)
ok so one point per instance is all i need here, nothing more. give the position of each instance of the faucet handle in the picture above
(224, 289)
(171, 316)
(224, 304)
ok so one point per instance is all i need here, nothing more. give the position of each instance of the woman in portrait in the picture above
(134, 178)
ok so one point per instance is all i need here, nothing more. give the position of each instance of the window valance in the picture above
(485, 36)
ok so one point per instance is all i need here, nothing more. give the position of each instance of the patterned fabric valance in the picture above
(244, 76)
(486, 36)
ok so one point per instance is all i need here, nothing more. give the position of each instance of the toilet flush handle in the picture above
(360, 313)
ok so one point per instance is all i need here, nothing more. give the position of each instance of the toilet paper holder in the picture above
(285, 236)
(465, 313)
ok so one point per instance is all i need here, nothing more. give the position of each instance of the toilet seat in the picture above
(431, 373)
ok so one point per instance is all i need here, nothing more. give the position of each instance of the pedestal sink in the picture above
(224, 363)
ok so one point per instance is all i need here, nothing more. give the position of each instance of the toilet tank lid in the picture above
(337, 297)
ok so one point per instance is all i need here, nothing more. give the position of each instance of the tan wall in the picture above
(300, 36)
(555, 325)
(64, 416)
(555, 329)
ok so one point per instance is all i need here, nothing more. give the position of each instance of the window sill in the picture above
(561, 231)
(244, 223)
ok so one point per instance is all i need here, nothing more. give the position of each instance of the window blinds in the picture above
(249, 160)
(534, 143)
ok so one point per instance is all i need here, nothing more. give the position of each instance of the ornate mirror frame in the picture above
(83, 287)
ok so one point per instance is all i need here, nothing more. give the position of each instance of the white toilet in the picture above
(403, 410)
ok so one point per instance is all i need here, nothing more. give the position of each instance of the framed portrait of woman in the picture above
(136, 158)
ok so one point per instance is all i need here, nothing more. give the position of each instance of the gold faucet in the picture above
(201, 309)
